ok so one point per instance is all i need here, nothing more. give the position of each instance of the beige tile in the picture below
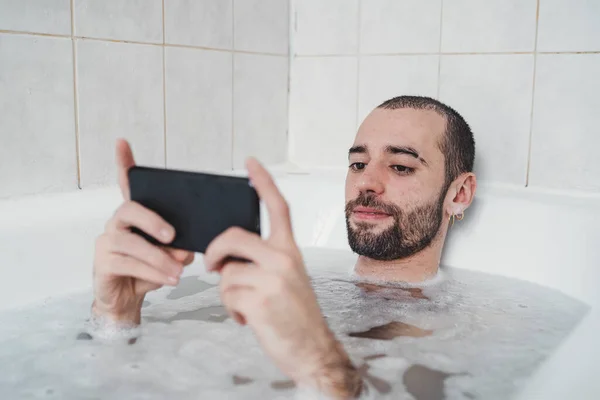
(260, 108)
(565, 140)
(47, 16)
(205, 23)
(400, 26)
(120, 91)
(489, 26)
(134, 20)
(323, 110)
(493, 93)
(325, 27)
(384, 77)
(569, 25)
(37, 127)
(262, 26)
(199, 109)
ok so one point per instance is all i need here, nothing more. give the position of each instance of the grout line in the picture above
(568, 52)
(116, 41)
(293, 27)
(75, 97)
(439, 80)
(537, 15)
(11, 32)
(489, 53)
(358, 58)
(53, 35)
(291, 30)
(447, 53)
(419, 54)
(185, 46)
(324, 55)
(164, 82)
(232, 85)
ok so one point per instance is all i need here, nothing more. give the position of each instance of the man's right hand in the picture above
(126, 266)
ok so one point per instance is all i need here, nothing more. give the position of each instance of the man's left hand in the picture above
(272, 294)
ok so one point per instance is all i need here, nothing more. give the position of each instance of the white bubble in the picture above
(475, 335)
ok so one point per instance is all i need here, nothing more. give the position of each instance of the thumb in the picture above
(124, 158)
(279, 213)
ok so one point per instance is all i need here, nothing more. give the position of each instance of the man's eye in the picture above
(402, 169)
(357, 166)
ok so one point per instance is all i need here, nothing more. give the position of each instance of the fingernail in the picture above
(172, 280)
(165, 233)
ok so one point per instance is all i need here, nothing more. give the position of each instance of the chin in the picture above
(370, 225)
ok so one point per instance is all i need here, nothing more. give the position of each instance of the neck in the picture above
(418, 267)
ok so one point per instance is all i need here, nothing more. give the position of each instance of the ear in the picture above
(461, 193)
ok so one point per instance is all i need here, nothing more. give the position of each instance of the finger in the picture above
(121, 265)
(124, 157)
(279, 214)
(228, 282)
(236, 242)
(183, 256)
(135, 246)
(132, 214)
(237, 302)
(236, 274)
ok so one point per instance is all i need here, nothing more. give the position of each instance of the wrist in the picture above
(131, 314)
(336, 376)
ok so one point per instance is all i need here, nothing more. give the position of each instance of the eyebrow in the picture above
(390, 150)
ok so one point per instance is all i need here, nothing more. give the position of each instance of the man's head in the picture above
(410, 168)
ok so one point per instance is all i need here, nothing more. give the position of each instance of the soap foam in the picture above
(487, 335)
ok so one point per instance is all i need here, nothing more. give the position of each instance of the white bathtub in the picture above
(46, 250)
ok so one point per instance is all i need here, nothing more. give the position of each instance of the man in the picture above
(410, 174)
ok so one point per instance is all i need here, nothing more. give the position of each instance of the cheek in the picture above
(403, 194)
(408, 196)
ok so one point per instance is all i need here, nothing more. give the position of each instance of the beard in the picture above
(410, 233)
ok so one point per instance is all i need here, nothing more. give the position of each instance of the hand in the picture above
(273, 295)
(126, 266)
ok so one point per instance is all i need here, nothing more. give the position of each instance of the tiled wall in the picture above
(200, 84)
(194, 84)
(524, 73)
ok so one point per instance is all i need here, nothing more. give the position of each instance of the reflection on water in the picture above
(241, 380)
(283, 385)
(425, 383)
(392, 330)
(391, 292)
(210, 314)
(188, 286)
(84, 336)
(468, 336)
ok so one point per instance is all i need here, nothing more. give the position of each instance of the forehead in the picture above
(420, 129)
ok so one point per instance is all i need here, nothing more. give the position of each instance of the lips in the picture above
(369, 213)
(368, 210)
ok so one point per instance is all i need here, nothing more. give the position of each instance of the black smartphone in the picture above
(199, 206)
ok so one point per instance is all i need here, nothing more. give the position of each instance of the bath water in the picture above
(464, 335)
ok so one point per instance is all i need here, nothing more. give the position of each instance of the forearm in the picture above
(337, 377)
(130, 314)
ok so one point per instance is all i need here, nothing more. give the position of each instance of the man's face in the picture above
(395, 184)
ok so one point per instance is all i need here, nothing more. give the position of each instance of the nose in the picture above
(370, 180)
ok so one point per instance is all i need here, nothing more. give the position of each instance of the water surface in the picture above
(468, 335)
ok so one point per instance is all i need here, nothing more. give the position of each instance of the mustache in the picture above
(369, 200)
